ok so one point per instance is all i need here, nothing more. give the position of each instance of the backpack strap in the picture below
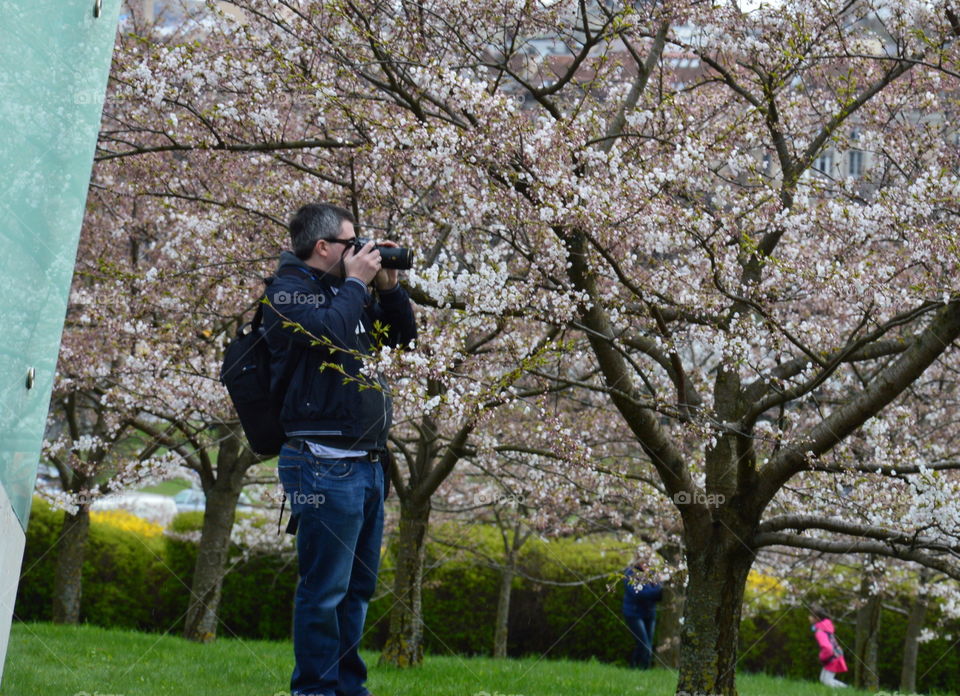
(258, 315)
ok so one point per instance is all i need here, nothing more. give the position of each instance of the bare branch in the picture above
(877, 548)
(269, 146)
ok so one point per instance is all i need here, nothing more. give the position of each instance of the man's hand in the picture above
(364, 264)
(387, 278)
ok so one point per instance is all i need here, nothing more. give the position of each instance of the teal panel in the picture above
(54, 62)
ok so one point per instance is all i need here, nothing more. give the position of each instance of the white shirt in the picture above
(325, 452)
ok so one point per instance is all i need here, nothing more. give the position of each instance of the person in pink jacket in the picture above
(831, 654)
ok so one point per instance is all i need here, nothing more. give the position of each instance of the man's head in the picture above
(318, 235)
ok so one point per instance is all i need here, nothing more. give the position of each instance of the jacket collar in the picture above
(290, 260)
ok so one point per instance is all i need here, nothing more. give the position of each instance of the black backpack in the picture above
(246, 375)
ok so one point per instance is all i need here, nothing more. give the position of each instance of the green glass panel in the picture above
(54, 62)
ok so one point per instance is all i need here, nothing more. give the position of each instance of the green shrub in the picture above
(459, 607)
(119, 571)
(257, 594)
(258, 598)
(116, 563)
(186, 522)
(460, 597)
(35, 592)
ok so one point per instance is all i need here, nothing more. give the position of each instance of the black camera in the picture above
(399, 258)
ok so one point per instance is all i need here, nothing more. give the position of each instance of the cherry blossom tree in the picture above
(564, 480)
(764, 313)
(92, 440)
(95, 454)
(203, 209)
(162, 376)
(748, 216)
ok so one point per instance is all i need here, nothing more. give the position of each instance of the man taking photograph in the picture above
(322, 320)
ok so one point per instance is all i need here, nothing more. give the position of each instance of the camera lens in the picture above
(399, 258)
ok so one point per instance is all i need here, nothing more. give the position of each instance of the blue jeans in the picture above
(339, 506)
(642, 629)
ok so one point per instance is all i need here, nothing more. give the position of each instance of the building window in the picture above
(855, 163)
(824, 163)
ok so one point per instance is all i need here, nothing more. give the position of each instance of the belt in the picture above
(302, 445)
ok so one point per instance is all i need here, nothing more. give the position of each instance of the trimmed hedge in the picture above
(143, 583)
(119, 571)
(460, 598)
(131, 581)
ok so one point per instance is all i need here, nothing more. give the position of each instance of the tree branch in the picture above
(887, 386)
(656, 443)
(236, 147)
(881, 349)
(800, 523)
(455, 450)
(876, 548)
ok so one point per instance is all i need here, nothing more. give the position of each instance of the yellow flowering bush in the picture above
(763, 590)
(759, 582)
(128, 522)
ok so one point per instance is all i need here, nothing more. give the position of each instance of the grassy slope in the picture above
(85, 660)
(170, 488)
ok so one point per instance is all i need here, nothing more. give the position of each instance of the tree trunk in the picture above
(68, 575)
(669, 615)
(717, 565)
(218, 518)
(668, 627)
(911, 639)
(865, 674)
(404, 646)
(501, 629)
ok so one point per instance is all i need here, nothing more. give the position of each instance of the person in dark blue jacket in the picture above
(321, 321)
(640, 612)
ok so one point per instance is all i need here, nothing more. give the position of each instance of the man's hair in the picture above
(819, 612)
(316, 221)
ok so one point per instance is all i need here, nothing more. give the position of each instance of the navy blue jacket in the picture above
(321, 403)
(640, 600)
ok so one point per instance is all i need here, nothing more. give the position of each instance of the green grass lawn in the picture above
(47, 660)
(171, 487)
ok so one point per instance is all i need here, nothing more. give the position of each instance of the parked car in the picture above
(48, 478)
(190, 500)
